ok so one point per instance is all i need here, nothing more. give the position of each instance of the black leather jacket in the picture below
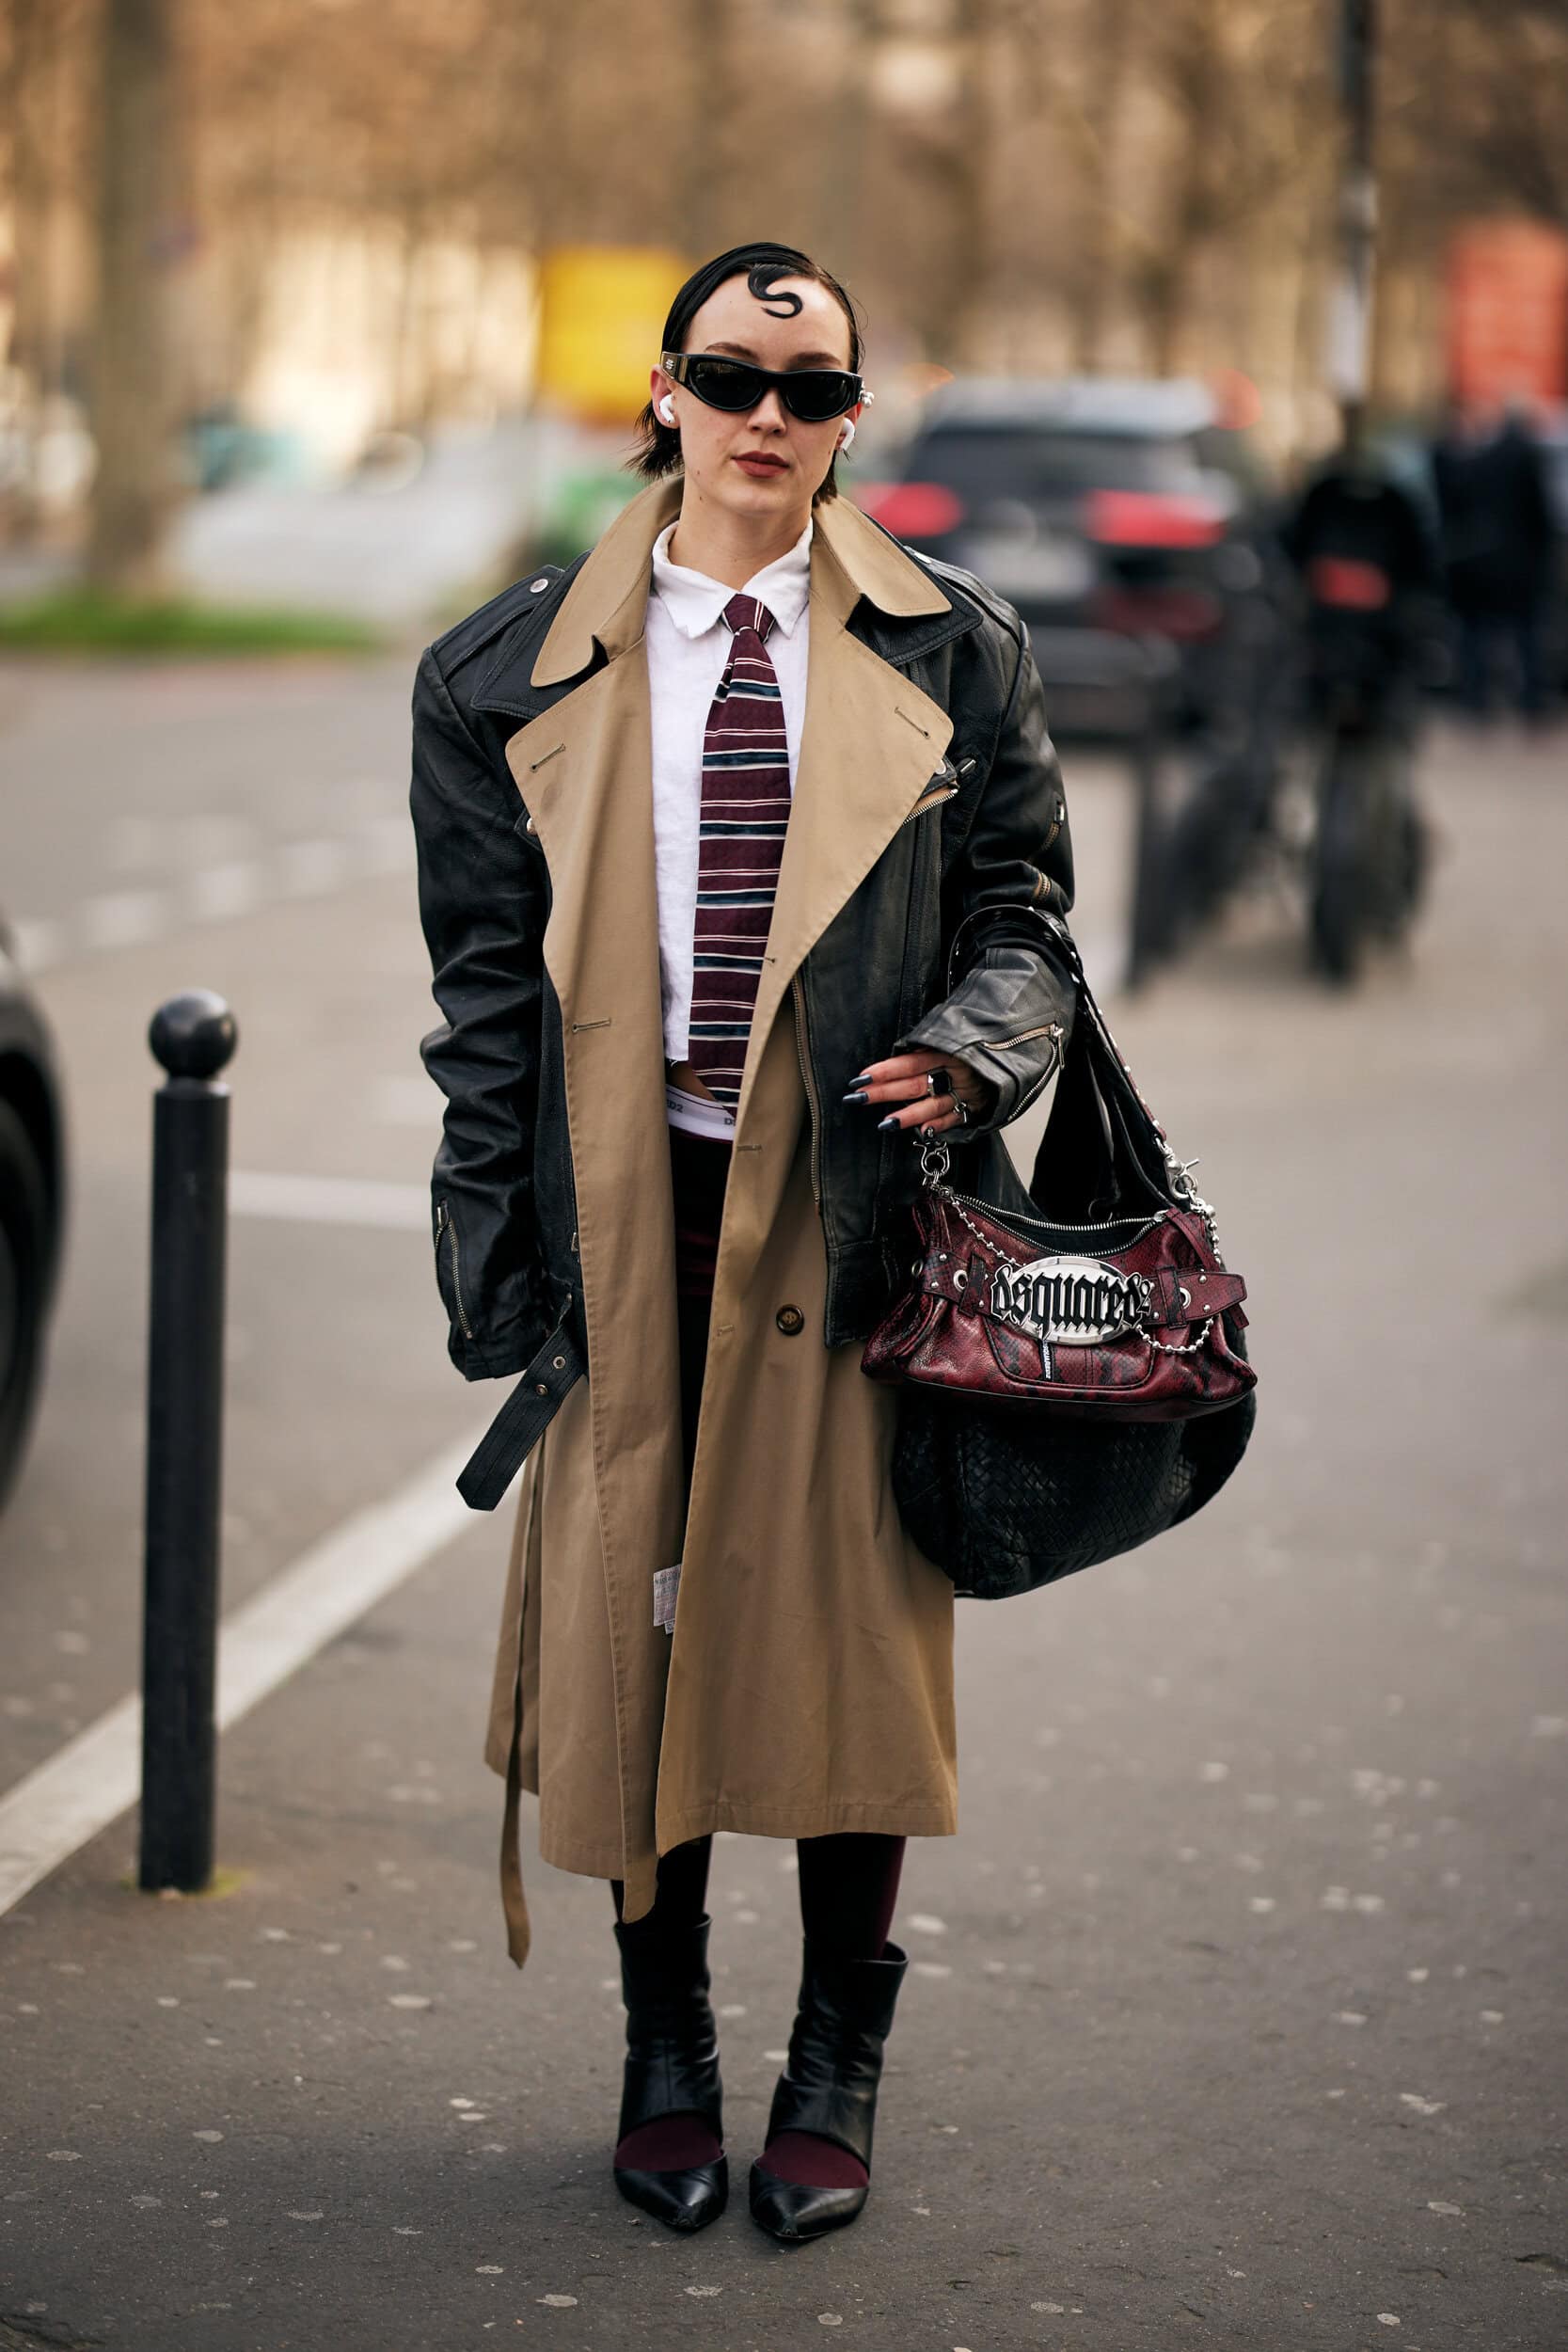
(952, 941)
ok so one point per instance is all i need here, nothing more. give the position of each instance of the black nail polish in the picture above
(890, 1120)
(860, 1078)
(862, 1097)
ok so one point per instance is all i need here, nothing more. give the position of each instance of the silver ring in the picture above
(932, 1081)
(962, 1109)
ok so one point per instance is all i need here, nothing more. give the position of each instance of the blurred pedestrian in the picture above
(1362, 537)
(1498, 540)
(715, 928)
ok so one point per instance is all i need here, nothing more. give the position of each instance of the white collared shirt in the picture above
(687, 645)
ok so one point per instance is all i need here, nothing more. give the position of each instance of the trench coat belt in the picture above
(522, 1419)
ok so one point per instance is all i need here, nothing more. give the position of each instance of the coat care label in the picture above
(666, 1585)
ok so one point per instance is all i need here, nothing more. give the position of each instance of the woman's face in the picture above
(762, 463)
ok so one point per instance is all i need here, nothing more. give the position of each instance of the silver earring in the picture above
(667, 411)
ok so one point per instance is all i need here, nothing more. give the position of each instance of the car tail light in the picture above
(1147, 519)
(915, 510)
(1348, 585)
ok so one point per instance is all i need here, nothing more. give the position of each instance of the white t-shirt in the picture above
(687, 645)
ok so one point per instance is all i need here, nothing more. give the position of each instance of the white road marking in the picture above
(223, 892)
(222, 885)
(387, 844)
(330, 1200)
(405, 1100)
(312, 867)
(39, 944)
(121, 918)
(96, 1776)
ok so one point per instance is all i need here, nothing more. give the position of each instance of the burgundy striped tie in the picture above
(744, 817)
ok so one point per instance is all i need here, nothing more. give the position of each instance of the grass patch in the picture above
(79, 620)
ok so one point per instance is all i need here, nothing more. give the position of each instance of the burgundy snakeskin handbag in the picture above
(1074, 1382)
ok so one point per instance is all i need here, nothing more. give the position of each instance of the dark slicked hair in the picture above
(659, 449)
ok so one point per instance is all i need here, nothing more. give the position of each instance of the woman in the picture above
(742, 859)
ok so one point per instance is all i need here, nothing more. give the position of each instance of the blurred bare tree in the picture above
(135, 149)
(1008, 183)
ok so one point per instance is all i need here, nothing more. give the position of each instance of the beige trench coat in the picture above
(807, 1685)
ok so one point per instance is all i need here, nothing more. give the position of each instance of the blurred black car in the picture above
(32, 1193)
(1116, 515)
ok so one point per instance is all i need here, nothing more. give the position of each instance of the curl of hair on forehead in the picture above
(658, 445)
(759, 285)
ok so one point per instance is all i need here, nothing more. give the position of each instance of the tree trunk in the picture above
(707, 67)
(29, 71)
(840, 193)
(133, 342)
(1093, 286)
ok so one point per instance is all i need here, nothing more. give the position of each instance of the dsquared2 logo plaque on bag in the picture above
(1076, 1301)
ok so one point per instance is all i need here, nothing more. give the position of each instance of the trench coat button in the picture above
(790, 1320)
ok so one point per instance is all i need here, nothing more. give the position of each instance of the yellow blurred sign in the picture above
(601, 313)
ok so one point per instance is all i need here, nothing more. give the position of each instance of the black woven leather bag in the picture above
(1007, 1497)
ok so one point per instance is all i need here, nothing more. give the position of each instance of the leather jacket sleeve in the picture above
(1010, 882)
(481, 909)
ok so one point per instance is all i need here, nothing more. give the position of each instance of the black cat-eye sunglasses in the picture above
(813, 394)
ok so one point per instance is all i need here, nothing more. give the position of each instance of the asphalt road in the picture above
(1235, 2015)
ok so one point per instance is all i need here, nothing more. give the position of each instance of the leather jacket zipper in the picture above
(929, 799)
(445, 1225)
(802, 1034)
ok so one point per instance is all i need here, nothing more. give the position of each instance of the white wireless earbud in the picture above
(848, 433)
(667, 410)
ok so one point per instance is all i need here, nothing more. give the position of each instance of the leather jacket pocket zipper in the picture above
(1042, 1029)
(445, 1226)
(1052, 1029)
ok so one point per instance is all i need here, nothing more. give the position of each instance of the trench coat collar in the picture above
(607, 602)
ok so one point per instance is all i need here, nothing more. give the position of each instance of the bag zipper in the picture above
(1144, 1220)
(444, 1225)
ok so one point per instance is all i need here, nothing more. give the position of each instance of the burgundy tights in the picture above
(849, 1888)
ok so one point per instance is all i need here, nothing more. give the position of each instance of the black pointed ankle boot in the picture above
(829, 2085)
(671, 2067)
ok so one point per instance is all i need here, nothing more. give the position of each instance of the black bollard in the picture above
(192, 1037)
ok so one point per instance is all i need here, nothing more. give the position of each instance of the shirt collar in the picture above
(695, 603)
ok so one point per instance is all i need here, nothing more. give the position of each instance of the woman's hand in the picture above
(899, 1085)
